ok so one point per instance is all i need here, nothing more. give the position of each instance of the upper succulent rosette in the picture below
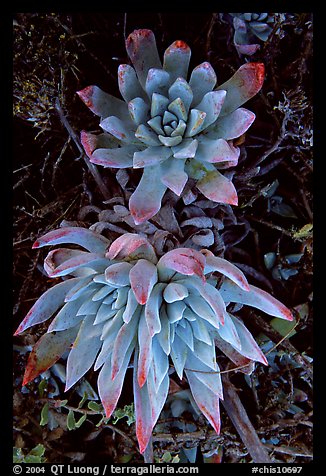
(247, 26)
(171, 127)
(120, 301)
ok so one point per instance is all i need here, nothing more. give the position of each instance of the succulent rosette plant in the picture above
(170, 126)
(247, 26)
(121, 306)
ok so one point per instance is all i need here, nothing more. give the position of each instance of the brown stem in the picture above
(243, 425)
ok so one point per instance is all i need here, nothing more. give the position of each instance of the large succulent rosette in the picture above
(170, 126)
(248, 27)
(120, 306)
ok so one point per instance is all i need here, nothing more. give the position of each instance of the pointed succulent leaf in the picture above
(228, 332)
(184, 331)
(181, 89)
(176, 60)
(138, 110)
(173, 175)
(169, 141)
(103, 104)
(234, 355)
(175, 311)
(160, 363)
(81, 286)
(145, 350)
(211, 104)
(142, 51)
(119, 158)
(146, 135)
(47, 305)
(143, 409)
(211, 380)
(207, 402)
(217, 188)
(186, 150)
(80, 260)
(202, 80)
(145, 202)
(83, 352)
(233, 125)
(157, 81)
(249, 347)
(110, 390)
(185, 261)
(103, 140)
(123, 340)
(84, 237)
(257, 298)
(159, 104)
(118, 273)
(179, 352)
(164, 336)
(152, 309)
(218, 150)
(195, 122)
(133, 246)
(175, 292)
(143, 277)
(131, 307)
(47, 350)
(242, 86)
(152, 155)
(129, 86)
(178, 108)
(66, 317)
(118, 128)
(214, 263)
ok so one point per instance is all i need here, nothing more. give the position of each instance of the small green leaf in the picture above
(71, 422)
(167, 457)
(45, 415)
(83, 400)
(80, 421)
(283, 327)
(42, 386)
(39, 450)
(96, 407)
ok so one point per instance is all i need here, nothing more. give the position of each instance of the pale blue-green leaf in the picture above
(157, 81)
(156, 124)
(102, 292)
(119, 158)
(195, 123)
(82, 285)
(249, 347)
(228, 332)
(186, 150)
(256, 298)
(143, 277)
(202, 80)
(185, 333)
(146, 135)
(217, 188)
(180, 129)
(160, 362)
(179, 352)
(153, 155)
(145, 202)
(214, 263)
(123, 340)
(129, 86)
(200, 330)
(131, 307)
(118, 274)
(173, 175)
(164, 336)
(175, 311)
(169, 141)
(211, 104)
(142, 51)
(103, 104)
(211, 380)
(121, 299)
(215, 151)
(233, 125)
(175, 292)
(104, 313)
(88, 239)
(168, 117)
(47, 304)
(207, 401)
(181, 89)
(84, 351)
(67, 316)
(111, 328)
(122, 130)
(145, 350)
(176, 60)
(152, 308)
(110, 390)
(178, 108)
(159, 105)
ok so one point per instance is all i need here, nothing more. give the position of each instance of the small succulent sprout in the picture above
(121, 304)
(247, 26)
(170, 125)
